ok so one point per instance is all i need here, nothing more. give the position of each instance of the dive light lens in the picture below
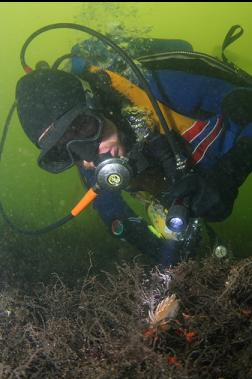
(176, 224)
(177, 217)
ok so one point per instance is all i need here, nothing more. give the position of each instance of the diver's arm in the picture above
(135, 231)
(212, 192)
(114, 211)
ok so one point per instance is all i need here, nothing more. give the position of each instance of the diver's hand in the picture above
(203, 196)
(161, 152)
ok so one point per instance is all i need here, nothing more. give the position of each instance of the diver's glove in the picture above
(237, 106)
(161, 154)
(203, 197)
(211, 194)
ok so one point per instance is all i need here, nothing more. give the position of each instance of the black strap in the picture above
(232, 35)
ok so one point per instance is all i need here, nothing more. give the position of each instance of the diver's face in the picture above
(110, 143)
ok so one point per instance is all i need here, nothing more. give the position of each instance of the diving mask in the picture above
(79, 142)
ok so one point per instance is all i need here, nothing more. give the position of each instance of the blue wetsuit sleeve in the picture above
(193, 95)
(111, 206)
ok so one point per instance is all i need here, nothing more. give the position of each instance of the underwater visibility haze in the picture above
(90, 305)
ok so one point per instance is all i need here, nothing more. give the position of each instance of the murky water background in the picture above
(34, 198)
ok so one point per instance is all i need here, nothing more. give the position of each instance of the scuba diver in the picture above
(92, 116)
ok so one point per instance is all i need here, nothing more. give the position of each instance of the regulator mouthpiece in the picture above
(113, 174)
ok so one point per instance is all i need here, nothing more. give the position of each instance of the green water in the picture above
(34, 197)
